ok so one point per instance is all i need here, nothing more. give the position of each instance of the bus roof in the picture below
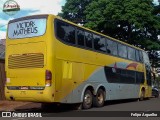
(46, 15)
(29, 17)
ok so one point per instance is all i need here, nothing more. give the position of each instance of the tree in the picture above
(136, 22)
(73, 10)
(127, 20)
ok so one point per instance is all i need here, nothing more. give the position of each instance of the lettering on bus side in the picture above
(25, 28)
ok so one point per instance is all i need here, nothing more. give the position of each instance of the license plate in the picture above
(24, 88)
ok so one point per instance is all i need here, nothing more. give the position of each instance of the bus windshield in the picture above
(27, 28)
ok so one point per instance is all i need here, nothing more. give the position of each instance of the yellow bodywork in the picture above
(70, 67)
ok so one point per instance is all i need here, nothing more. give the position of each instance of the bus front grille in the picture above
(26, 61)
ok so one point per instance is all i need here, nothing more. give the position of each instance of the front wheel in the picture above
(156, 96)
(142, 95)
(99, 98)
(87, 100)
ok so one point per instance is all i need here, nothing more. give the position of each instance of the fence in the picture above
(2, 79)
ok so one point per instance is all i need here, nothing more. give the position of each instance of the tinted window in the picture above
(131, 76)
(140, 56)
(99, 43)
(123, 78)
(65, 32)
(148, 67)
(111, 47)
(139, 77)
(88, 39)
(122, 51)
(146, 58)
(131, 53)
(137, 56)
(117, 75)
(80, 37)
(112, 74)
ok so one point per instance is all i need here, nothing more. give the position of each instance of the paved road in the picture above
(113, 108)
(153, 104)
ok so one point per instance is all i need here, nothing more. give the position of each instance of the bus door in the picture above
(147, 74)
(64, 81)
(68, 77)
(77, 79)
(148, 80)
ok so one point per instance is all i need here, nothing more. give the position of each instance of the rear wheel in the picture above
(87, 100)
(99, 98)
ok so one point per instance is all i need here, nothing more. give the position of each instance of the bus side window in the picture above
(99, 43)
(65, 32)
(111, 47)
(140, 56)
(122, 50)
(148, 67)
(80, 37)
(88, 39)
(131, 53)
(139, 77)
(137, 56)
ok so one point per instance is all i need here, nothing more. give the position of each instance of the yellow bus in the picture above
(51, 60)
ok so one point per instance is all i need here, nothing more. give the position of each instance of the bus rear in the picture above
(28, 75)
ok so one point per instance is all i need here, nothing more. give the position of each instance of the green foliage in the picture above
(73, 10)
(136, 22)
(123, 19)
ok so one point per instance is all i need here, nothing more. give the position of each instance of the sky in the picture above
(31, 7)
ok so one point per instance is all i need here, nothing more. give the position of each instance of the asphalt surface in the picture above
(121, 109)
(152, 104)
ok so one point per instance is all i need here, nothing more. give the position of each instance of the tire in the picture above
(99, 99)
(87, 100)
(156, 96)
(142, 95)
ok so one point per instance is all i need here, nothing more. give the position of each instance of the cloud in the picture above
(155, 2)
(3, 25)
(29, 7)
(2, 21)
(2, 34)
(43, 6)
